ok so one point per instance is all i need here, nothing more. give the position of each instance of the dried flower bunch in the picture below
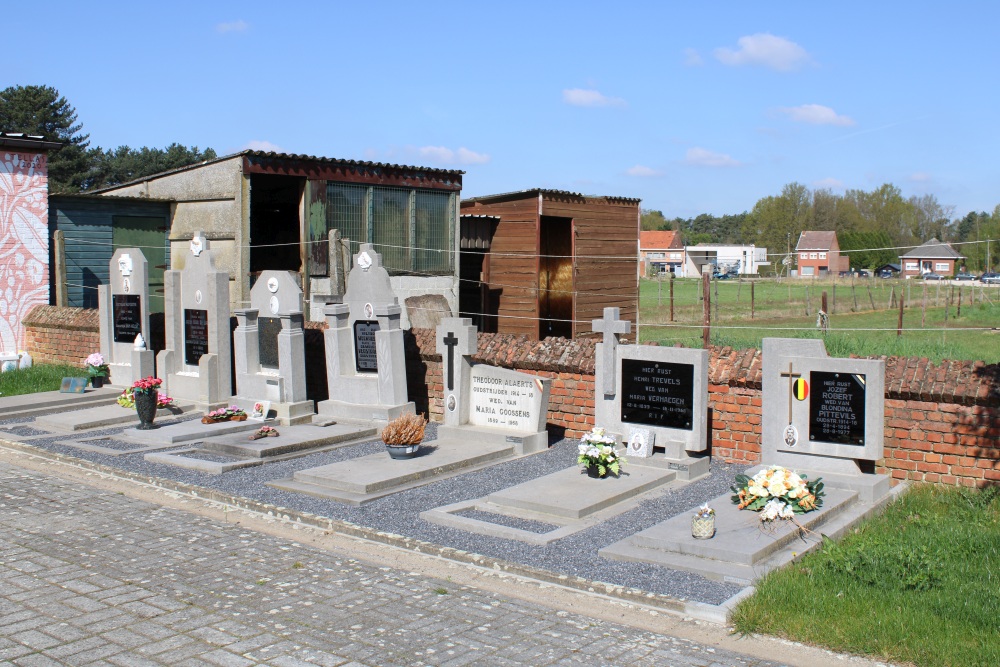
(404, 430)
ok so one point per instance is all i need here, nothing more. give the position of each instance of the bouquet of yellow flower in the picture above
(777, 493)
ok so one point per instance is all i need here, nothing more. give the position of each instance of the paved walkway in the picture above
(91, 576)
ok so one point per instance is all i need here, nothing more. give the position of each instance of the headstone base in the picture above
(523, 443)
(687, 468)
(869, 487)
(331, 409)
(103, 416)
(286, 414)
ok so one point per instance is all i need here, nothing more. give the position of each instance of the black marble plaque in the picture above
(365, 359)
(126, 310)
(837, 407)
(195, 335)
(657, 393)
(267, 340)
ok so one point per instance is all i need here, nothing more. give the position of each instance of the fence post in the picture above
(958, 310)
(752, 304)
(671, 297)
(899, 325)
(707, 314)
(59, 252)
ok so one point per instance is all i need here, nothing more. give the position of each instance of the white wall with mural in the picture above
(24, 241)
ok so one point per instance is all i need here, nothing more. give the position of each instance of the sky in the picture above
(692, 107)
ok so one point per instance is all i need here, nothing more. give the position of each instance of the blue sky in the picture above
(692, 107)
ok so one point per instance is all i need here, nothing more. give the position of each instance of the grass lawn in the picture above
(936, 332)
(40, 377)
(919, 584)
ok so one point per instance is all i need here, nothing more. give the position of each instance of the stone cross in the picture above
(451, 341)
(611, 326)
(791, 388)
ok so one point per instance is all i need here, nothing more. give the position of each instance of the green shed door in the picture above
(148, 234)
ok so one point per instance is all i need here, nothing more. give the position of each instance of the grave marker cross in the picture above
(791, 388)
(610, 325)
(451, 341)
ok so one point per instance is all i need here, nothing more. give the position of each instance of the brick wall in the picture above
(942, 421)
(61, 335)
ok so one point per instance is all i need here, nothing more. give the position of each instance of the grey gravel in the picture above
(23, 431)
(399, 513)
(112, 443)
(509, 521)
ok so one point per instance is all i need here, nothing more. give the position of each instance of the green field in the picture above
(933, 325)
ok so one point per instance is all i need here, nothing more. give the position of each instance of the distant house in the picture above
(887, 271)
(660, 252)
(931, 257)
(819, 255)
(745, 260)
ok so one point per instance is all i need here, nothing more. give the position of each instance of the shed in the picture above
(555, 261)
(273, 211)
(93, 228)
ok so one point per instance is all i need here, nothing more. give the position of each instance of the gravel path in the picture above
(575, 555)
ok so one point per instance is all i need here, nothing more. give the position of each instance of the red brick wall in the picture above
(61, 335)
(942, 421)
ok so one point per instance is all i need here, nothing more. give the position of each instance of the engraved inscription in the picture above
(837, 408)
(657, 393)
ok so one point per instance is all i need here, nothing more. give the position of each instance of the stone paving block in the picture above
(224, 658)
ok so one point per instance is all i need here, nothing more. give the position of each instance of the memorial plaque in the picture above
(657, 393)
(837, 408)
(195, 335)
(267, 340)
(127, 317)
(503, 398)
(365, 358)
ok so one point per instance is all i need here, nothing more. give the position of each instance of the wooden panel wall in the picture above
(513, 262)
(87, 224)
(606, 254)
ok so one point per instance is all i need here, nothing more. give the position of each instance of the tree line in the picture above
(878, 226)
(76, 167)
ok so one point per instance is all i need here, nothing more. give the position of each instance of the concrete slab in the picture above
(187, 431)
(366, 478)
(102, 416)
(112, 445)
(567, 500)
(291, 439)
(743, 549)
(571, 494)
(46, 402)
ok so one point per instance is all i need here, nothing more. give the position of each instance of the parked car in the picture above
(932, 276)
(723, 276)
(847, 274)
(964, 276)
(990, 278)
(863, 273)
(885, 273)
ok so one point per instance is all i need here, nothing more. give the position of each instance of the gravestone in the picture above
(269, 349)
(652, 398)
(484, 401)
(196, 364)
(824, 416)
(365, 362)
(123, 307)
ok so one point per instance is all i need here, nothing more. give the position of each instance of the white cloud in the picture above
(764, 49)
(445, 155)
(701, 157)
(232, 26)
(640, 170)
(580, 97)
(816, 114)
(829, 184)
(260, 145)
(692, 58)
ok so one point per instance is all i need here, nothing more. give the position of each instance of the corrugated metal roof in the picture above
(104, 198)
(286, 156)
(22, 140)
(933, 249)
(543, 191)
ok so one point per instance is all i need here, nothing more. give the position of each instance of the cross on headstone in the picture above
(611, 326)
(791, 388)
(451, 341)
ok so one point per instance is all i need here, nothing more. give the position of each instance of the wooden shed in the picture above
(555, 261)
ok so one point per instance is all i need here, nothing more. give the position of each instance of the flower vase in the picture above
(97, 381)
(595, 472)
(145, 407)
(702, 528)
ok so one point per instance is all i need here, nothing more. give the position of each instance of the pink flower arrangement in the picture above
(96, 366)
(146, 384)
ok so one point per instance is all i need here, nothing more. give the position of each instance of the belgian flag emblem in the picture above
(800, 388)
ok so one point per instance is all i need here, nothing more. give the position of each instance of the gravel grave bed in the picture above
(399, 513)
(538, 527)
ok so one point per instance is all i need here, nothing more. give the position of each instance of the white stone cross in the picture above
(611, 326)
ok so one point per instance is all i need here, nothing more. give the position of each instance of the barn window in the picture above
(412, 229)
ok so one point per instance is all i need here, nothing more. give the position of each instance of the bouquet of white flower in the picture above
(597, 452)
(777, 493)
